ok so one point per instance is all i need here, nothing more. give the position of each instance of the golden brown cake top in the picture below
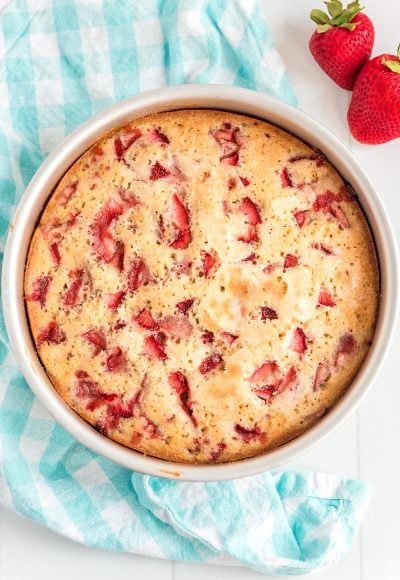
(202, 286)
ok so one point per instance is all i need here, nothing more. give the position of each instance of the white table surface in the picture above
(367, 446)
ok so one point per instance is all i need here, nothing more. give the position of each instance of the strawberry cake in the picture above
(202, 286)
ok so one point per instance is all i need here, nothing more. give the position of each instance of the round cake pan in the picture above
(182, 97)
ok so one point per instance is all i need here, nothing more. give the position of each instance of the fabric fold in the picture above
(284, 523)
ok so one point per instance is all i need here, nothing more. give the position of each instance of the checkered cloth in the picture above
(61, 62)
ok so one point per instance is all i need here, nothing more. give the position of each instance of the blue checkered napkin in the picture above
(61, 62)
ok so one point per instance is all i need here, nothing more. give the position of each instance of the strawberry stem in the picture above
(338, 16)
(393, 65)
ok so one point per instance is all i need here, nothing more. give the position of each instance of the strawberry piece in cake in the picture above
(116, 360)
(325, 298)
(113, 300)
(211, 363)
(145, 320)
(209, 261)
(124, 141)
(40, 288)
(299, 341)
(180, 384)
(106, 248)
(158, 171)
(139, 274)
(52, 334)
(347, 346)
(153, 347)
(97, 339)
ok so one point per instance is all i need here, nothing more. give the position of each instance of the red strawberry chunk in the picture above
(224, 133)
(117, 259)
(185, 305)
(210, 363)
(51, 334)
(153, 348)
(325, 298)
(55, 253)
(72, 295)
(119, 324)
(158, 171)
(56, 230)
(182, 240)
(207, 337)
(250, 258)
(323, 201)
(216, 453)
(115, 299)
(145, 320)
(150, 429)
(116, 360)
(321, 376)
(323, 248)
(267, 373)
(246, 182)
(155, 136)
(231, 183)
(230, 141)
(118, 409)
(179, 213)
(251, 235)
(128, 198)
(312, 157)
(179, 383)
(247, 434)
(111, 210)
(125, 140)
(228, 337)
(251, 211)
(139, 274)
(337, 212)
(266, 393)
(270, 268)
(347, 346)
(299, 341)
(300, 217)
(180, 220)
(86, 388)
(268, 313)
(65, 195)
(40, 288)
(230, 158)
(289, 381)
(176, 326)
(209, 262)
(97, 338)
(291, 261)
(328, 203)
(286, 179)
(97, 152)
(105, 247)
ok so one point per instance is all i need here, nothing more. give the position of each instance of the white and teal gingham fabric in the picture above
(61, 61)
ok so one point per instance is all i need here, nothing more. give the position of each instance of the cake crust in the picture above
(202, 286)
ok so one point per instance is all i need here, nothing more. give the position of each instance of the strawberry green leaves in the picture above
(393, 65)
(338, 16)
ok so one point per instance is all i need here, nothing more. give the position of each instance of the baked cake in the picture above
(202, 286)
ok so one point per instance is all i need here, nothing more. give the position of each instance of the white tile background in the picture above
(367, 446)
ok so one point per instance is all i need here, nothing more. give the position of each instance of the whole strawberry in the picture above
(374, 112)
(343, 41)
